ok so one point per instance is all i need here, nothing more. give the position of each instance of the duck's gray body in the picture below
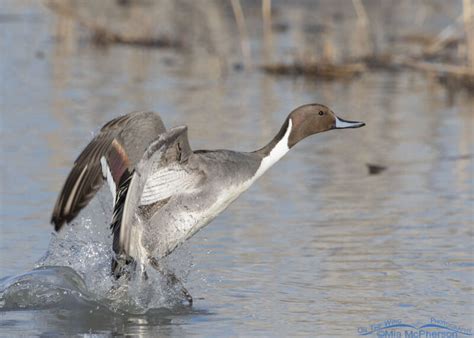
(163, 191)
(209, 181)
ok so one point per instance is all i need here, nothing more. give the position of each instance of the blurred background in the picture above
(351, 228)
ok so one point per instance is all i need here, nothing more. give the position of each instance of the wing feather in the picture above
(83, 181)
(86, 176)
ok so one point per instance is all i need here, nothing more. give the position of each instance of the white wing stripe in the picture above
(72, 195)
(108, 175)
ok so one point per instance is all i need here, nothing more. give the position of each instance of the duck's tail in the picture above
(122, 263)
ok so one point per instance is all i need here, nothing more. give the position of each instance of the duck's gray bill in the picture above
(342, 124)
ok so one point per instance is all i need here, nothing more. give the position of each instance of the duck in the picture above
(163, 191)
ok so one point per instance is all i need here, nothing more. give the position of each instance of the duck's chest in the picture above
(187, 214)
(201, 208)
(225, 176)
(217, 200)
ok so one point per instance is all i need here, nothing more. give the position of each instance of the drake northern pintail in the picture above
(163, 191)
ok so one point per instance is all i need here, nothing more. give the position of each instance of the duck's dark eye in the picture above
(321, 113)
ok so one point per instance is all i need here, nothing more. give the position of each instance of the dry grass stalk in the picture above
(444, 38)
(468, 18)
(243, 32)
(267, 30)
(362, 37)
(360, 11)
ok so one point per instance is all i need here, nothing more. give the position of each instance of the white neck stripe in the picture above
(280, 149)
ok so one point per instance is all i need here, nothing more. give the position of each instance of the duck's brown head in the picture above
(315, 118)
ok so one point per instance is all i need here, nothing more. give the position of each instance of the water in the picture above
(316, 247)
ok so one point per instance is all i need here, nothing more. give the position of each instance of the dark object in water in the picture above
(280, 27)
(457, 81)
(458, 157)
(384, 61)
(375, 169)
(104, 37)
(315, 28)
(238, 66)
(323, 70)
(39, 54)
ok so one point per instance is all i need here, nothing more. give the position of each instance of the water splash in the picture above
(75, 272)
(43, 288)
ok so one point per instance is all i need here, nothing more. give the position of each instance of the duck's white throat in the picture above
(280, 149)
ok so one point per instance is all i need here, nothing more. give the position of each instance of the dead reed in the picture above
(328, 71)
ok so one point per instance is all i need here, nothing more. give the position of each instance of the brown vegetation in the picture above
(448, 56)
(327, 71)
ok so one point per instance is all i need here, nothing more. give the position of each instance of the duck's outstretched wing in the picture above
(87, 176)
(160, 175)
